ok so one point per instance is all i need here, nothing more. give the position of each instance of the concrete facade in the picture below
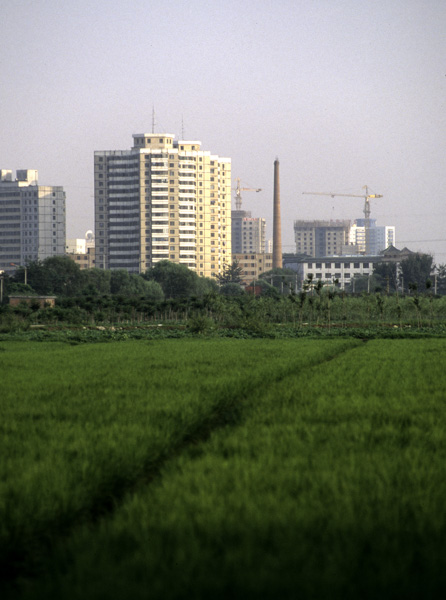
(341, 268)
(248, 233)
(32, 219)
(253, 265)
(321, 238)
(85, 260)
(380, 237)
(162, 200)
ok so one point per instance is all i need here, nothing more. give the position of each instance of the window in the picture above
(318, 265)
(356, 265)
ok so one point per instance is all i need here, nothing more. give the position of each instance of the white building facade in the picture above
(342, 269)
(380, 238)
(162, 200)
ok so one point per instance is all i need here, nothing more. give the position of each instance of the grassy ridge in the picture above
(81, 425)
(332, 485)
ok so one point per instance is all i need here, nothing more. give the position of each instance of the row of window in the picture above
(337, 265)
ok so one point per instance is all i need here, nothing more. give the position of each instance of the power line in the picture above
(418, 241)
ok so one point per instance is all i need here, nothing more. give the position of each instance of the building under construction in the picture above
(247, 232)
(322, 238)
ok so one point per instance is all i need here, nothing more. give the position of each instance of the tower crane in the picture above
(366, 209)
(238, 193)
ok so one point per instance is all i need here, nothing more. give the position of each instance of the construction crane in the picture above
(366, 209)
(238, 193)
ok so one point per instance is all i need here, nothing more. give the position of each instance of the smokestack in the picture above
(277, 227)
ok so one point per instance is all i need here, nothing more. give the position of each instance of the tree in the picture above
(440, 273)
(57, 275)
(363, 283)
(177, 281)
(95, 281)
(386, 276)
(265, 288)
(124, 283)
(416, 270)
(231, 274)
(283, 280)
(231, 289)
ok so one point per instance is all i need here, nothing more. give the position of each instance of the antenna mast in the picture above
(153, 119)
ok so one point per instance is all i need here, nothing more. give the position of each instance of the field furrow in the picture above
(82, 426)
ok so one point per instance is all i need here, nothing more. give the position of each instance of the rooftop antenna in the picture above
(182, 128)
(153, 119)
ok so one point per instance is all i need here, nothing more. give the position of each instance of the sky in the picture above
(346, 93)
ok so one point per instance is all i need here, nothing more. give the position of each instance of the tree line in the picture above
(61, 277)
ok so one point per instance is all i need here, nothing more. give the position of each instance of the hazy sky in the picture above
(346, 93)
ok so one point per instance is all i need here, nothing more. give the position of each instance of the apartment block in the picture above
(162, 200)
(321, 238)
(32, 219)
(248, 233)
(380, 238)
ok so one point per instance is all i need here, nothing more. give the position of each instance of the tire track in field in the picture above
(228, 410)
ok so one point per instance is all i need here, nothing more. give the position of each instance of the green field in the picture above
(223, 468)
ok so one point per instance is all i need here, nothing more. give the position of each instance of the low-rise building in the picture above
(85, 260)
(42, 301)
(253, 265)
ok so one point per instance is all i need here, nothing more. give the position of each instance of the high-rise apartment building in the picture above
(380, 238)
(32, 219)
(321, 238)
(248, 233)
(162, 200)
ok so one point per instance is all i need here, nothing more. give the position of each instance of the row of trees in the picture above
(60, 276)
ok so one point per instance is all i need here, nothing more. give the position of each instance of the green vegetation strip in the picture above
(80, 426)
(331, 486)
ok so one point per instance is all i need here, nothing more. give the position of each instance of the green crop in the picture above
(82, 425)
(327, 482)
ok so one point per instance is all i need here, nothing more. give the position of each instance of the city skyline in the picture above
(344, 93)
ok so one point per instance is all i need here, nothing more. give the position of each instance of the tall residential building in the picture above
(321, 238)
(380, 238)
(32, 219)
(162, 200)
(248, 233)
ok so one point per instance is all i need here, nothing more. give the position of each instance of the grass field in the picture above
(224, 469)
